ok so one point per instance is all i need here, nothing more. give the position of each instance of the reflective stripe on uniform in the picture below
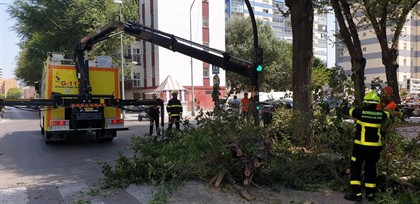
(175, 114)
(370, 185)
(355, 182)
(365, 124)
(362, 140)
(353, 159)
(351, 112)
(373, 144)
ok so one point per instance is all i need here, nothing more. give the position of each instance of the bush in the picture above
(202, 152)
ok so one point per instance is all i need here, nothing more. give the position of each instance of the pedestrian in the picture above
(245, 102)
(174, 109)
(154, 112)
(366, 147)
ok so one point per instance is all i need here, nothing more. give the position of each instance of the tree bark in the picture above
(302, 17)
(350, 37)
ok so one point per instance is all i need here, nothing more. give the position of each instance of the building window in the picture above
(340, 53)
(364, 34)
(404, 46)
(404, 62)
(206, 73)
(205, 22)
(136, 56)
(364, 48)
(136, 79)
(265, 10)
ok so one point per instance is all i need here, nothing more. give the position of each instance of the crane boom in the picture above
(168, 41)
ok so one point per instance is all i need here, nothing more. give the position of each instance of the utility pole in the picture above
(257, 65)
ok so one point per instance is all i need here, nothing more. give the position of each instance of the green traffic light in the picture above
(259, 68)
(258, 107)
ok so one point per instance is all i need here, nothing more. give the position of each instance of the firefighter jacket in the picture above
(368, 124)
(174, 107)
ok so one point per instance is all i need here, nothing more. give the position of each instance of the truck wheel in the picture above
(47, 138)
(105, 136)
(42, 126)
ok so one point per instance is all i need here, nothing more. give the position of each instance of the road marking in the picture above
(14, 195)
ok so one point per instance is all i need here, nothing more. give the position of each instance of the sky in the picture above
(9, 48)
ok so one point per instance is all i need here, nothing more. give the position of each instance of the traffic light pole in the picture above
(257, 62)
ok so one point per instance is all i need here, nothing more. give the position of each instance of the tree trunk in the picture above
(350, 37)
(358, 64)
(302, 17)
(389, 59)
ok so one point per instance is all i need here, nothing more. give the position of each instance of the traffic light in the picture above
(257, 105)
(259, 59)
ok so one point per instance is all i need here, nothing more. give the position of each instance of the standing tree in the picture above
(277, 55)
(302, 17)
(56, 26)
(387, 16)
(14, 93)
(349, 36)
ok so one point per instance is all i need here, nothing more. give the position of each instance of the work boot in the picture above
(370, 197)
(353, 196)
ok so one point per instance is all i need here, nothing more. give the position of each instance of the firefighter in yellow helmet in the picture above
(174, 109)
(367, 146)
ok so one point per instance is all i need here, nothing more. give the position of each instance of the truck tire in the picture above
(42, 126)
(105, 136)
(47, 138)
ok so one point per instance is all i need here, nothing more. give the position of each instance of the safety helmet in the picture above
(174, 92)
(371, 97)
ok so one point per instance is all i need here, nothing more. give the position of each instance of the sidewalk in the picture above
(410, 131)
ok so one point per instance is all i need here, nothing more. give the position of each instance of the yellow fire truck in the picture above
(89, 115)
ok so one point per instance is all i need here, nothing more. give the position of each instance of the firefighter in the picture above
(174, 109)
(367, 146)
(154, 116)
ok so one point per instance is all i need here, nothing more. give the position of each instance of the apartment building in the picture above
(6, 84)
(157, 69)
(408, 52)
(271, 13)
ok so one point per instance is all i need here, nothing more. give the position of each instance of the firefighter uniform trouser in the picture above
(370, 156)
(154, 120)
(174, 119)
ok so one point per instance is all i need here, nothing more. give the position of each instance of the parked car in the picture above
(144, 112)
(416, 109)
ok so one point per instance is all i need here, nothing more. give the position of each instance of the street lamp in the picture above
(192, 72)
(122, 57)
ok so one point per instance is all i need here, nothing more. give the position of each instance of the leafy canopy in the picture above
(56, 26)
(277, 55)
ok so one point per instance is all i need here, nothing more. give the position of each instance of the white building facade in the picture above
(408, 60)
(271, 13)
(154, 64)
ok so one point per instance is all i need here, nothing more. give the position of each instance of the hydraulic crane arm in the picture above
(168, 41)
